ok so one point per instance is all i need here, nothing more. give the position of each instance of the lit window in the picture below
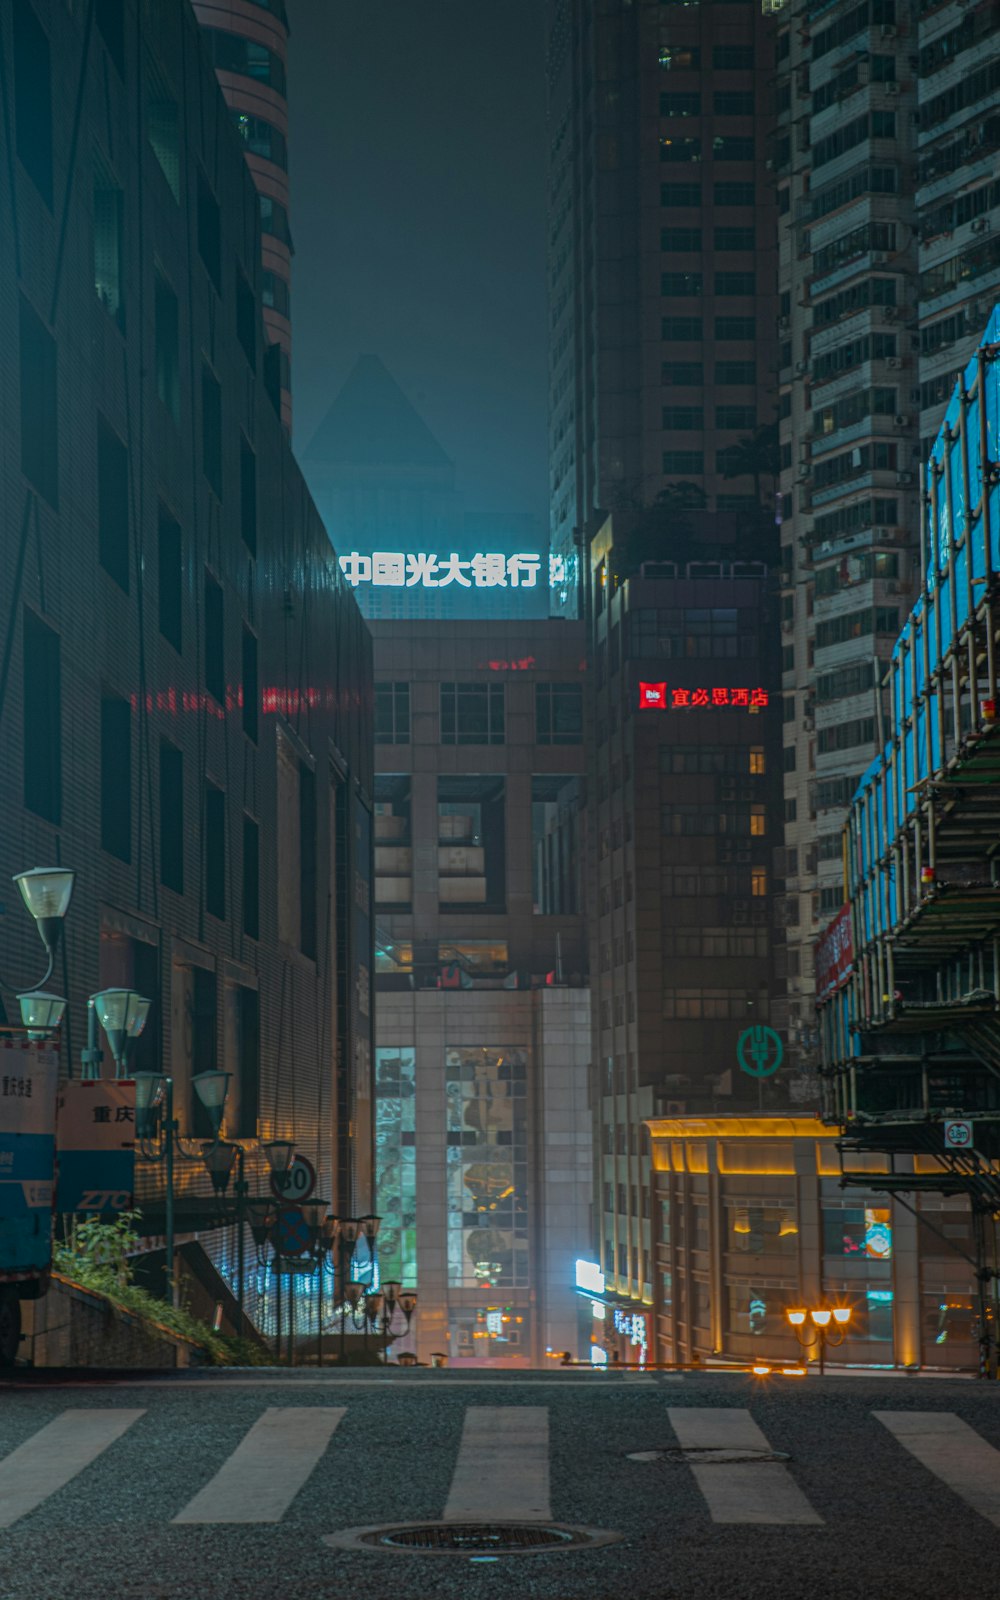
(758, 881)
(758, 824)
(758, 764)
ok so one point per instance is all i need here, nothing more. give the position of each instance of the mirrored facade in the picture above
(487, 1167)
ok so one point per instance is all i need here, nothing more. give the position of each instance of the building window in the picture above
(682, 374)
(684, 461)
(395, 1161)
(683, 240)
(472, 713)
(215, 648)
(757, 760)
(246, 319)
(733, 194)
(171, 817)
(732, 57)
(472, 845)
(392, 713)
(170, 589)
(42, 721)
(735, 416)
(732, 283)
(732, 147)
(215, 851)
(274, 293)
(274, 219)
(248, 495)
(230, 52)
(242, 1119)
(110, 19)
(209, 231)
(736, 372)
(250, 687)
(112, 505)
(683, 419)
(167, 324)
(733, 103)
(735, 327)
(683, 330)
(39, 436)
(108, 275)
(680, 285)
(558, 713)
(251, 878)
(758, 881)
(679, 150)
(734, 239)
(204, 1043)
(393, 849)
(116, 777)
(261, 138)
(33, 98)
(211, 428)
(162, 129)
(488, 1214)
(307, 861)
(680, 194)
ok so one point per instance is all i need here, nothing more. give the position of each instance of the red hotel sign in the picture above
(660, 697)
(834, 955)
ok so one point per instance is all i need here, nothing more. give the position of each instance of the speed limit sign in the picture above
(958, 1135)
(297, 1183)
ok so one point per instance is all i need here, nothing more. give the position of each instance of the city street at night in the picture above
(239, 1485)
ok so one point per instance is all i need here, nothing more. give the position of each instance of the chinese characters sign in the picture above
(96, 1146)
(27, 1147)
(398, 569)
(660, 697)
(834, 956)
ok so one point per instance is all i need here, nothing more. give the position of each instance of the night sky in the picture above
(418, 155)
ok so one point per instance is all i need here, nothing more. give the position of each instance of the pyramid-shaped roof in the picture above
(372, 423)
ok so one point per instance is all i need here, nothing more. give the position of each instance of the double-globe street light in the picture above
(820, 1325)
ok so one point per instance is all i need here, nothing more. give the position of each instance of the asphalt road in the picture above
(232, 1485)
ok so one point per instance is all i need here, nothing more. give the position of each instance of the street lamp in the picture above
(219, 1158)
(154, 1092)
(820, 1325)
(41, 1013)
(47, 892)
(395, 1297)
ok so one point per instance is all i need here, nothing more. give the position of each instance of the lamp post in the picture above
(220, 1158)
(47, 892)
(820, 1325)
(154, 1094)
(394, 1298)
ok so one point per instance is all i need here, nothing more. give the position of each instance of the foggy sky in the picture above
(417, 152)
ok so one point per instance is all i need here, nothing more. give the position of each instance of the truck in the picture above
(29, 1071)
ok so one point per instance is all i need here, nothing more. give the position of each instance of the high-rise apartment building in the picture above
(662, 253)
(483, 1121)
(248, 44)
(889, 204)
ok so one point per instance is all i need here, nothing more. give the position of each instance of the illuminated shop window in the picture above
(395, 1162)
(864, 1232)
(487, 1170)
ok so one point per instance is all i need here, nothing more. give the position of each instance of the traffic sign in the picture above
(293, 1232)
(759, 1051)
(958, 1135)
(297, 1183)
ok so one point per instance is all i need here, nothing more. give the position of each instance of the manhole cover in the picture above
(474, 1540)
(704, 1456)
(469, 1537)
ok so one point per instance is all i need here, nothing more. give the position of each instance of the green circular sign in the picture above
(759, 1051)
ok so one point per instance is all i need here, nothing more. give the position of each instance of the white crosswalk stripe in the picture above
(54, 1455)
(954, 1452)
(757, 1492)
(502, 1472)
(259, 1481)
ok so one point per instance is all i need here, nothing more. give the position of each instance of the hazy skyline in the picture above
(418, 202)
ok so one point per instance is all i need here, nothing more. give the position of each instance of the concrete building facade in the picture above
(483, 1016)
(186, 701)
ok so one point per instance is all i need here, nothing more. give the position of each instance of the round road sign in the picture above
(298, 1182)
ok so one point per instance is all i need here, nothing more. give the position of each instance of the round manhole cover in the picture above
(705, 1456)
(474, 1540)
(470, 1538)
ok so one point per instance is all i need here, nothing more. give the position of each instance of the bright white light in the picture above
(400, 569)
(598, 1357)
(589, 1276)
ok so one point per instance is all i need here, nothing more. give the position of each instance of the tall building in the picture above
(248, 45)
(662, 263)
(483, 1014)
(186, 700)
(684, 792)
(885, 165)
(386, 489)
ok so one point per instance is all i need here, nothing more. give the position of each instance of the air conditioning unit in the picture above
(880, 533)
(893, 363)
(801, 367)
(892, 87)
(903, 478)
(901, 421)
(981, 225)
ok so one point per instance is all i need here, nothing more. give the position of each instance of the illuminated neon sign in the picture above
(589, 1276)
(660, 697)
(399, 569)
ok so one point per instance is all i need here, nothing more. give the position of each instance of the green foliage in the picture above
(96, 1256)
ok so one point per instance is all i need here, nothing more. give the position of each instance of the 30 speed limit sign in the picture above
(297, 1183)
(958, 1135)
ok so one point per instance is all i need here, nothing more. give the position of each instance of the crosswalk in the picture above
(502, 1464)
